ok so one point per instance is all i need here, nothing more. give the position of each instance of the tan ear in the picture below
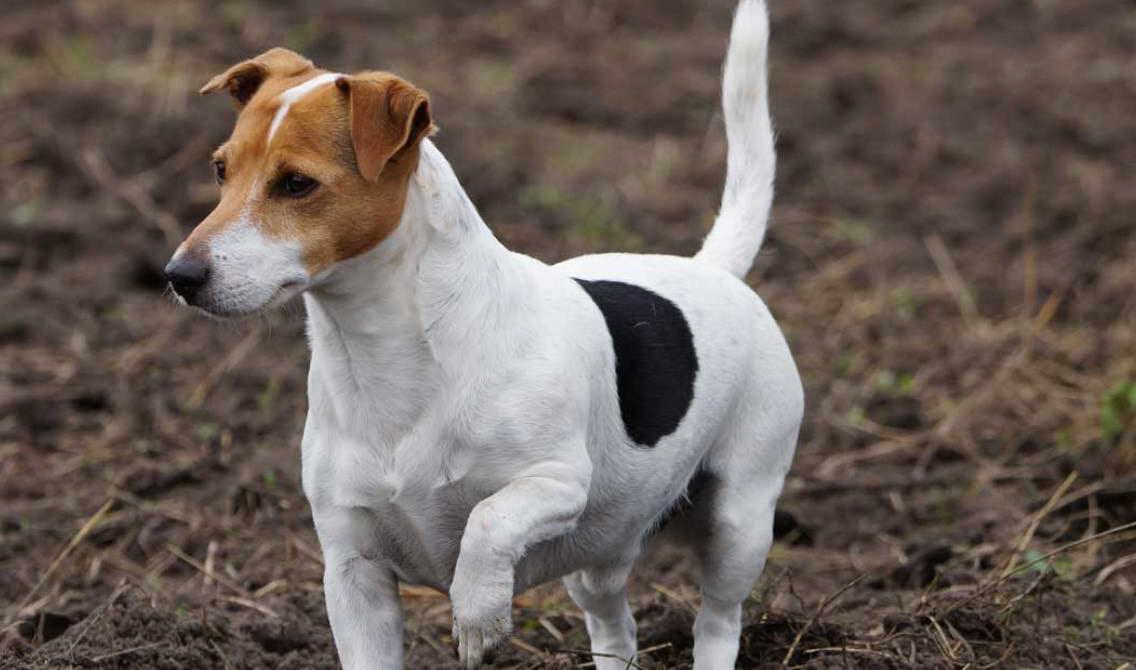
(388, 117)
(244, 79)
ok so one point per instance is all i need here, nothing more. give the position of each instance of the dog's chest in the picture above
(412, 503)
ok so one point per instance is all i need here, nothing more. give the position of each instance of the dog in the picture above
(481, 422)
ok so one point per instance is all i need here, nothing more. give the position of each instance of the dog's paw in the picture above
(476, 642)
(483, 617)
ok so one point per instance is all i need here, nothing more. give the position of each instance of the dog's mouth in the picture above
(285, 292)
(234, 310)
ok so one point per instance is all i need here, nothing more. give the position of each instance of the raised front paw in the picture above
(483, 617)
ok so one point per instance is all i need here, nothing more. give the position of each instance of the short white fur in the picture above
(750, 160)
(464, 429)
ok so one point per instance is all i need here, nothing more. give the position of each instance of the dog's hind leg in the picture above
(744, 479)
(602, 594)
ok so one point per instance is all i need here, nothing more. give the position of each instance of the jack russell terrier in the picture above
(479, 421)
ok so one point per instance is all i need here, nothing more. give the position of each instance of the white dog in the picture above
(482, 422)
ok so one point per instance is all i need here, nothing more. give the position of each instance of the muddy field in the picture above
(953, 259)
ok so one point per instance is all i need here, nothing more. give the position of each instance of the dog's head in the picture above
(314, 173)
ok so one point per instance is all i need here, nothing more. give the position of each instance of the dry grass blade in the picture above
(210, 561)
(824, 604)
(555, 632)
(221, 654)
(985, 588)
(152, 508)
(251, 604)
(1002, 659)
(630, 662)
(1031, 529)
(527, 648)
(224, 581)
(675, 596)
(75, 540)
(131, 650)
(951, 277)
(1112, 568)
(307, 550)
(414, 591)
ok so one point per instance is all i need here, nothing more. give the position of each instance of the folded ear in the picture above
(388, 117)
(244, 79)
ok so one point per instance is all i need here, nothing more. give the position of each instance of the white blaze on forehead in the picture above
(295, 93)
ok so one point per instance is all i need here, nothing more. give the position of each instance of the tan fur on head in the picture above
(359, 139)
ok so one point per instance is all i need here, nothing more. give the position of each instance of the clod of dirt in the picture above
(39, 416)
(14, 329)
(147, 481)
(277, 637)
(921, 569)
(91, 401)
(901, 412)
(1115, 502)
(661, 626)
(897, 622)
(787, 527)
(45, 626)
(975, 625)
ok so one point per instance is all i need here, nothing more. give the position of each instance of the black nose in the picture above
(187, 274)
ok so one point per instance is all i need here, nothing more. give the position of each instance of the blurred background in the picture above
(952, 259)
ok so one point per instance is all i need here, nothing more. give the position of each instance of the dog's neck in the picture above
(391, 326)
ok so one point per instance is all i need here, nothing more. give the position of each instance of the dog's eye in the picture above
(297, 185)
(219, 171)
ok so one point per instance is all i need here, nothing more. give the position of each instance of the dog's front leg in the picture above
(363, 605)
(499, 530)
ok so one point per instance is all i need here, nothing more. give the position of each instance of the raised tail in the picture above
(750, 161)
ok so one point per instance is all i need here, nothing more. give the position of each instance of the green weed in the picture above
(1118, 410)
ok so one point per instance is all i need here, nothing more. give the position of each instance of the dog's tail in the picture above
(750, 162)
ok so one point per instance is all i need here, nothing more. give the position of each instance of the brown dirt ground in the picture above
(952, 261)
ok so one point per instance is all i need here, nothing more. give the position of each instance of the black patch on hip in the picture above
(655, 362)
